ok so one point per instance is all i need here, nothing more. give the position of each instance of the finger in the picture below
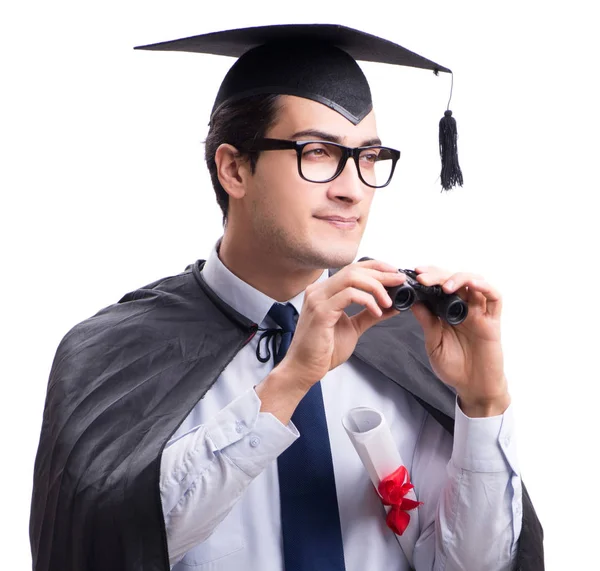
(438, 276)
(377, 265)
(493, 298)
(344, 298)
(365, 319)
(480, 292)
(432, 326)
(361, 280)
(474, 299)
(369, 280)
(458, 280)
(458, 283)
(427, 269)
(424, 316)
(432, 275)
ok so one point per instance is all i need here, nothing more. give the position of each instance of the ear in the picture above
(232, 168)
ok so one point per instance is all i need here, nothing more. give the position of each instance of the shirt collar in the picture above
(242, 296)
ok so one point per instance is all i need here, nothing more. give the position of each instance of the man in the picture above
(170, 437)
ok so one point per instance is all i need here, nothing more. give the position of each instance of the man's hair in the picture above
(237, 123)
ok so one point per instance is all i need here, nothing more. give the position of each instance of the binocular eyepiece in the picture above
(448, 306)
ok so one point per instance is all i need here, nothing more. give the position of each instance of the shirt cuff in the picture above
(485, 444)
(247, 437)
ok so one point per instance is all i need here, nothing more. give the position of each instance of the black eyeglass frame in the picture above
(267, 144)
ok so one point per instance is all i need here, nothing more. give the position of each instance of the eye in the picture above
(315, 151)
(369, 156)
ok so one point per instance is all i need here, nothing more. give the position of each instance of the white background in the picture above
(104, 189)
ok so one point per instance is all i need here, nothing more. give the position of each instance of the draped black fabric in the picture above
(123, 381)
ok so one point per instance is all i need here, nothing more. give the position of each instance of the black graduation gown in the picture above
(121, 383)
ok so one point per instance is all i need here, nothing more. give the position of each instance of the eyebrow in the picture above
(323, 136)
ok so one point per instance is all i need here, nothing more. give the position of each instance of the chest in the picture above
(251, 533)
(350, 385)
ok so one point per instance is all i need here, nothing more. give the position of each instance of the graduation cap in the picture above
(314, 61)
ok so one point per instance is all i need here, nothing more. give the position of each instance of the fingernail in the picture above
(449, 285)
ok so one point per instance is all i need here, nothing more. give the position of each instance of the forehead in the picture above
(296, 114)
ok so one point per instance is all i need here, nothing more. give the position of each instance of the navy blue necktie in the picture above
(310, 520)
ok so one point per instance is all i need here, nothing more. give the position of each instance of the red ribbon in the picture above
(392, 490)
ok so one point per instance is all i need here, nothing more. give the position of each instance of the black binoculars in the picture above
(448, 306)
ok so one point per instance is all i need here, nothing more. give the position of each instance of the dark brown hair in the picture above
(236, 123)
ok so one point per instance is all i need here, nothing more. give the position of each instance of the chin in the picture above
(335, 256)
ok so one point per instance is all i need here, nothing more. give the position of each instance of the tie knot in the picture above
(284, 315)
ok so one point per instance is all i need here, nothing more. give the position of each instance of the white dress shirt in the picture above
(219, 482)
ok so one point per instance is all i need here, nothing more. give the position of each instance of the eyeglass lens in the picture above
(320, 162)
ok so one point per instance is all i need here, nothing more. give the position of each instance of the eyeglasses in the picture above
(322, 161)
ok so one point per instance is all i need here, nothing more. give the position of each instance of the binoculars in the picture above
(448, 306)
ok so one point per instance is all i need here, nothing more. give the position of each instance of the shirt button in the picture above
(254, 441)
(239, 426)
(506, 440)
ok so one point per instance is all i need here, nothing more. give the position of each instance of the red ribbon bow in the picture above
(392, 490)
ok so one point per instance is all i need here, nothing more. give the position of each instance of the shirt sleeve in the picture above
(204, 472)
(471, 489)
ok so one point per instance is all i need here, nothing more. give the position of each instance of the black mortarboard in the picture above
(315, 61)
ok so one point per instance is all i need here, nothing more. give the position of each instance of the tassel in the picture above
(451, 174)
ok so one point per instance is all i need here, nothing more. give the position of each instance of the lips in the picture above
(340, 221)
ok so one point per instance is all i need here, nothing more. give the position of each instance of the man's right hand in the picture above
(325, 336)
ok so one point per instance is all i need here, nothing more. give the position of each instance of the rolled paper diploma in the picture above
(372, 440)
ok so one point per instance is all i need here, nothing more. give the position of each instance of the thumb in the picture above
(430, 323)
(365, 319)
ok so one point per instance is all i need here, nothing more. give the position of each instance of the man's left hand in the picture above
(468, 356)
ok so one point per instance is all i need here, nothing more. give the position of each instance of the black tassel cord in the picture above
(451, 174)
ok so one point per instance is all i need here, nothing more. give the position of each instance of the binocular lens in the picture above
(403, 298)
(457, 312)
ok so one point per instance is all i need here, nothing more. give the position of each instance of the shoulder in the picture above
(149, 315)
(171, 290)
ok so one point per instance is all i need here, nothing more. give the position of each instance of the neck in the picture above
(274, 277)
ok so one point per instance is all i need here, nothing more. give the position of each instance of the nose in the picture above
(347, 186)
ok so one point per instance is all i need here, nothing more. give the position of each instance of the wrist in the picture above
(477, 407)
(281, 391)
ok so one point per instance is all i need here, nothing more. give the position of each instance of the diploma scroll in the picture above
(372, 440)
